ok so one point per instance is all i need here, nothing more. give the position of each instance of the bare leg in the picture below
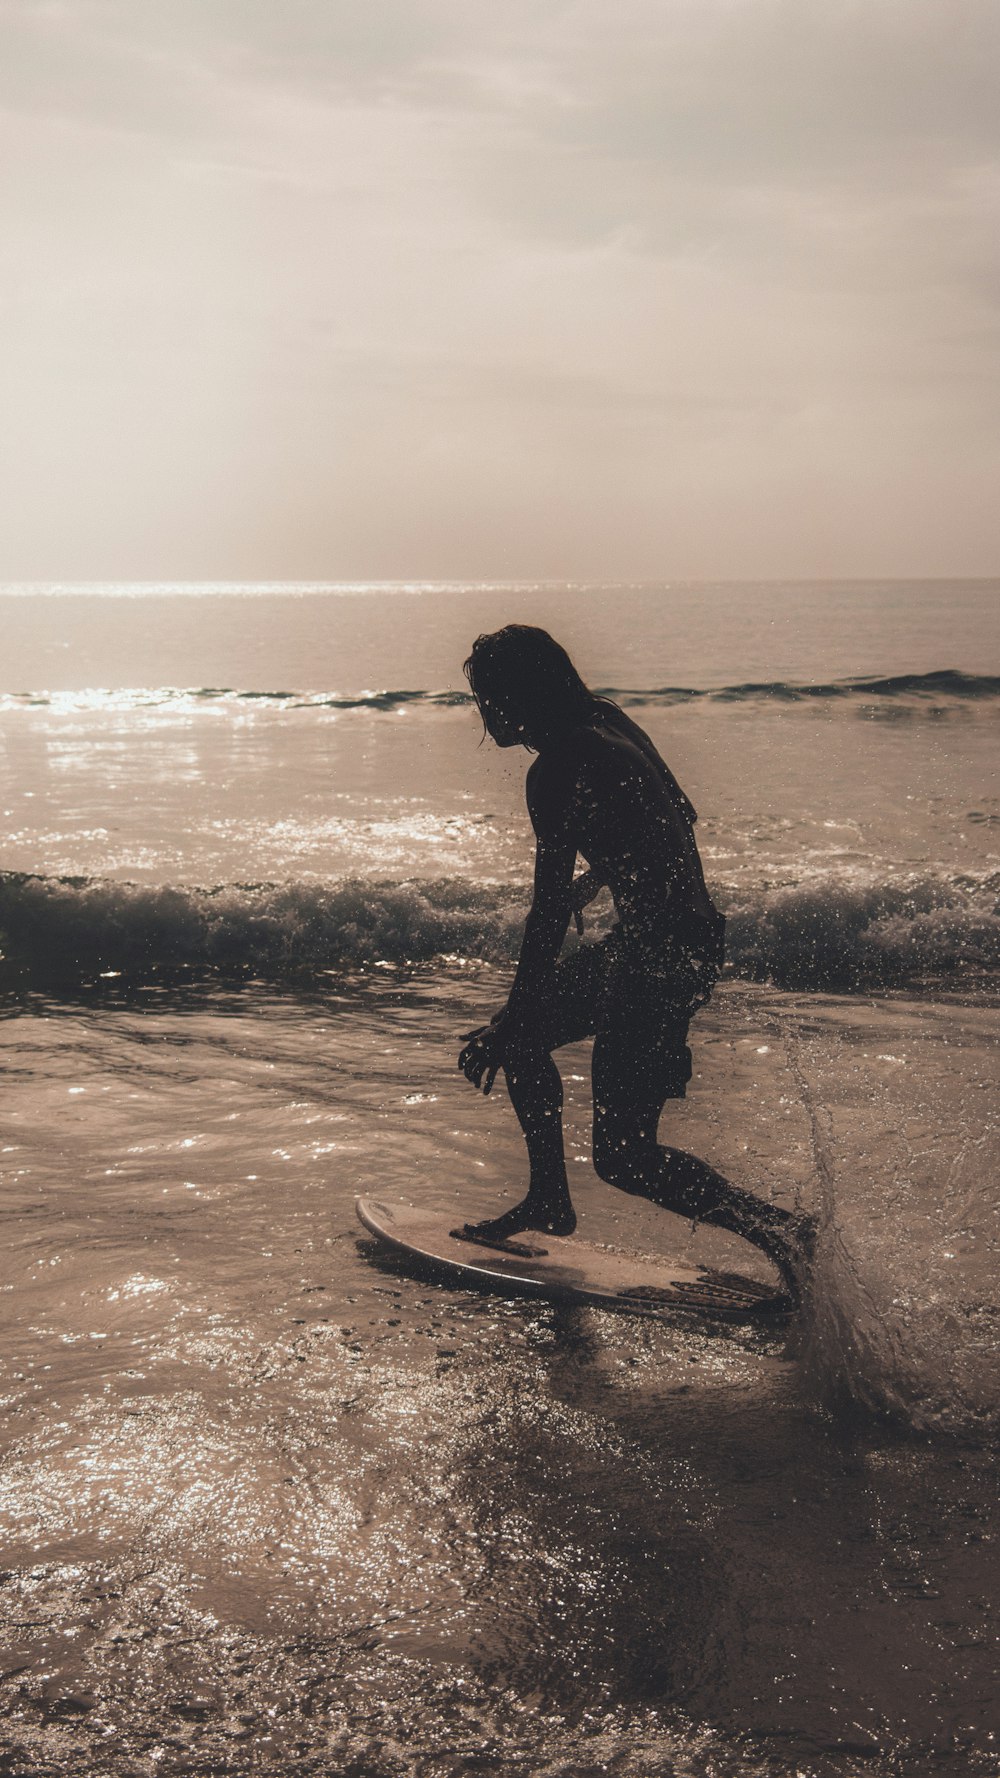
(535, 1087)
(626, 1154)
(681, 1182)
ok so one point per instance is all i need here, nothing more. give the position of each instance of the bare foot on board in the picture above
(545, 1216)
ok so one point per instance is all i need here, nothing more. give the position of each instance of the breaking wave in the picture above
(918, 690)
(827, 933)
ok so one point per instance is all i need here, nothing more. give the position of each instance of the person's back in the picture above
(634, 826)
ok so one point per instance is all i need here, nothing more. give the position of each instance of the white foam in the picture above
(827, 933)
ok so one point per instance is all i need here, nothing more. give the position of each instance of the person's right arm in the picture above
(550, 798)
(550, 805)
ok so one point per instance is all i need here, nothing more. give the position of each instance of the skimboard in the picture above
(568, 1268)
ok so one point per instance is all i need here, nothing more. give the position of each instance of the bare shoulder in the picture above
(550, 775)
(552, 781)
(560, 764)
(616, 726)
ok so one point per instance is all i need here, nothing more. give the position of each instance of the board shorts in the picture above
(616, 990)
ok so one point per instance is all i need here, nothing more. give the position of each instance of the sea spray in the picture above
(846, 1352)
(891, 1327)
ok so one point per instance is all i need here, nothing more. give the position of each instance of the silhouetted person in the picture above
(598, 788)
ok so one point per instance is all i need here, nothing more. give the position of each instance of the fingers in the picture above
(479, 1059)
(473, 1061)
(475, 1076)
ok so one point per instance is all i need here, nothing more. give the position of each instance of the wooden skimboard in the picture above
(568, 1268)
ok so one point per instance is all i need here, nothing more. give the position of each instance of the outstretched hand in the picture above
(482, 1057)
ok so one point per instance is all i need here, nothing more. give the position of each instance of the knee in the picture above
(525, 1060)
(621, 1160)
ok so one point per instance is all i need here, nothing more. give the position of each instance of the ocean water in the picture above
(273, 1504)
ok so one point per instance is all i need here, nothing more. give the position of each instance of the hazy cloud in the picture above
(439, 287)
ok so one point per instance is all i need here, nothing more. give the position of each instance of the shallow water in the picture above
(272, 1501)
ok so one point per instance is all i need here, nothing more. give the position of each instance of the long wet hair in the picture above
(524, 672)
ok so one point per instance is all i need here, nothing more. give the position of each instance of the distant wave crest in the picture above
(916, 690)
(826, 933)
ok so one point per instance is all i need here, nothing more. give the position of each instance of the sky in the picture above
(596, 289)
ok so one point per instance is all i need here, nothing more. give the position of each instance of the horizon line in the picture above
(415, 585)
